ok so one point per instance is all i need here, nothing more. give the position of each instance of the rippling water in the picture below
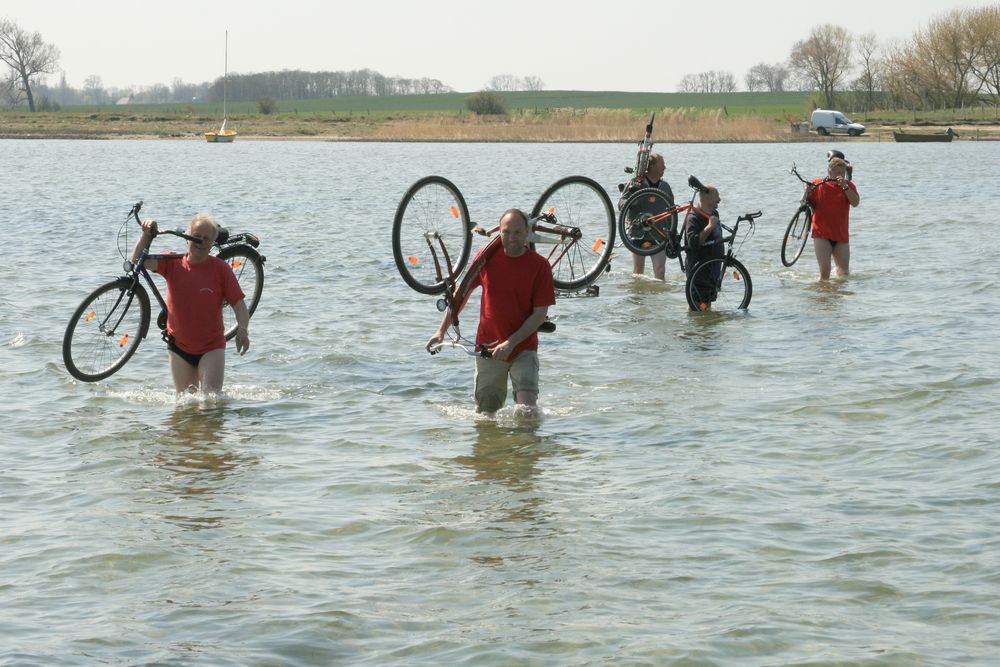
(813, 482)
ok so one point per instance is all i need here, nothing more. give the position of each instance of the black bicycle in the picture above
(572, 225)
(800, 225)
(722, 283)
(106, 329)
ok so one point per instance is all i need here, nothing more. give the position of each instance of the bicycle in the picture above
(432, 233)
(722, 282)
(647, 220)
(107, 327)
(797, 232)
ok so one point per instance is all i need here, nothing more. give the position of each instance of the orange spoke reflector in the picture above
(552, 210)
(647, 244)
(703, 307)
(454, 210)
(736, 275)
(651, 199)
(597, 245)
(124, 341)
(413, 259)
(91, 315)
(237, 264)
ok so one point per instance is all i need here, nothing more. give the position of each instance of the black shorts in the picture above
(193, 359)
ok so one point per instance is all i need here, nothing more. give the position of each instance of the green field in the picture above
(776, 105)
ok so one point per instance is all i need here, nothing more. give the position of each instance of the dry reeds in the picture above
(583, 125)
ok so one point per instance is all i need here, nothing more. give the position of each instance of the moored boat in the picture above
(906, 137)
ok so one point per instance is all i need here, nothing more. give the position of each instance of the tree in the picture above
(533, 83)
(824, 58)
(486, 103)
(870, 79)
(987, 31)
(502, 82)
(712, 81)
(27, 55)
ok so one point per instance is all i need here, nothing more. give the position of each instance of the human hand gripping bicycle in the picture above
(571, 225)
(800, 225)
(432, 241)
(106, 329)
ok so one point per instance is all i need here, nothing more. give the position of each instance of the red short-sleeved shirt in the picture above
(512, 288)
(196, 294)
(831, 211)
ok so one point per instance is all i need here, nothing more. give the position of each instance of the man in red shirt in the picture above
(517, 292)
(832, 202)
(198, 286)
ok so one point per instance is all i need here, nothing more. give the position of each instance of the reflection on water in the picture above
(197, 448)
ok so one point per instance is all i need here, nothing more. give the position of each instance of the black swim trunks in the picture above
(192, 359)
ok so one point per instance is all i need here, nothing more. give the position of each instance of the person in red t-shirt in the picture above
(832, 202)
(517, 292)
(198, 286)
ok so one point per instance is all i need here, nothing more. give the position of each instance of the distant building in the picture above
(126, 100)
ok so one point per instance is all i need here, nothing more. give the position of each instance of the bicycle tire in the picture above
(719, 284)
(579, 202)
(248, 265)
(431, 214)
(796, 235)
(651, 239)
(105, 330)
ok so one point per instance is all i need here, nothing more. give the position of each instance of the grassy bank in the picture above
(561, 116)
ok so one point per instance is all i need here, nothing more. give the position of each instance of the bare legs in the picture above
(840, 255)
(207, 376)
(659, 261)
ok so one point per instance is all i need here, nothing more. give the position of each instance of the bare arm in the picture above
(502, 350)
(853, 198)
(148, 232)
(438, 336)
(242, 325)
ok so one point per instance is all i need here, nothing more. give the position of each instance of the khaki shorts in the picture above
(491, 379)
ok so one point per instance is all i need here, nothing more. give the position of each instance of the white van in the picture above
(825, 121)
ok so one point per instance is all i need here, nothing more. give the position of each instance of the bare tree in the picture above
(824, 58)
(502, 82)
(27, 55)
(712, 81)
(766, 77)
(533, 83)
(870, 78)
(986, 27)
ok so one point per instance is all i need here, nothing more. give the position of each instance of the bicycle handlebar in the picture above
(222, 238)
(749, 217)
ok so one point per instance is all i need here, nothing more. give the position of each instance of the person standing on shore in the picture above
(517, 292)
(832, 201)
(198, 286)
(653, 178)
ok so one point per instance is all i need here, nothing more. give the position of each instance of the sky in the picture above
(571, 45)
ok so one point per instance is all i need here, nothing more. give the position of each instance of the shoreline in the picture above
(591, 126)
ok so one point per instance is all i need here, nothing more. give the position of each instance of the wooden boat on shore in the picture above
(223, 136)
(907, 137)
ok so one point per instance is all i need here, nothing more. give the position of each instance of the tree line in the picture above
(953, 62)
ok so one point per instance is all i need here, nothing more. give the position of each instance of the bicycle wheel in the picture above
(248, 265)
(720, 285)
(431, 231)
(796, 236)
(637, 233)
(106, 329)
(581, 203)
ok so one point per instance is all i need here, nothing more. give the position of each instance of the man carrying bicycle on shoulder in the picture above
(653, 178)
(703, 236)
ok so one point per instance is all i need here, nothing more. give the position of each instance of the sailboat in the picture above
(223, 136)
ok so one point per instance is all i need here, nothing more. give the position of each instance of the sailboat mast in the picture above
(225, 77)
